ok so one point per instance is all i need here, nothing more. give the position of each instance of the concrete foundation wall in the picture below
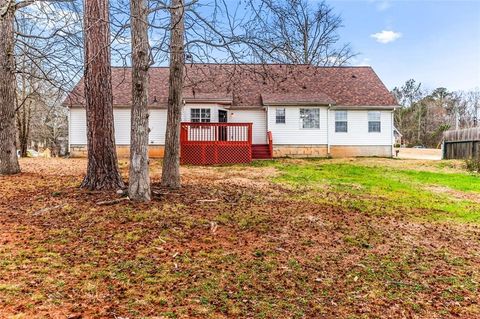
(361, 150)
(123, 151)
(335, 151)
(300, 151)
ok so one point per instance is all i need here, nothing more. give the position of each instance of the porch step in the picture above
(261, 151)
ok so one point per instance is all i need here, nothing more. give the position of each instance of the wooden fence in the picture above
(462, 144)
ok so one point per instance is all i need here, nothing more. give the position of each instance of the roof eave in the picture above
(208, 101)
(364, 107)
(293, 103)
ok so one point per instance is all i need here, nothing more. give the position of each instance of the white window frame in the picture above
(375, 117)
(341, 119)
(202, 115)
(277, 116)
(302, 117)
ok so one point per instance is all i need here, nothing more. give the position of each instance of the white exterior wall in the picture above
(158, 123)
(357, 129)
(78, 127)
(157, 120)
(257, 117)
(291, 132)
(121, 119)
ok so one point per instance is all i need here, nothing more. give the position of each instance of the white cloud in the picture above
(381, 5)
(385, 36)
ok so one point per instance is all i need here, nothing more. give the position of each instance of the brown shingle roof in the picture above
(245, 85)
(315, 98)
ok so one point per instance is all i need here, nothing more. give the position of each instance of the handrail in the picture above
(226, 133)
(215, 124)
(270, 143)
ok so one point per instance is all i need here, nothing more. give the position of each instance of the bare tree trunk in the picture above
(139, 179)
(102, 169)
(8, 150)
(24, 116)
(171, 160)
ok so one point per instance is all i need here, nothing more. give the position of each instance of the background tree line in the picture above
(425, 114)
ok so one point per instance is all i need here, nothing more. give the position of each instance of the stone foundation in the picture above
(123, 151)
(300, 151)
(361, 150)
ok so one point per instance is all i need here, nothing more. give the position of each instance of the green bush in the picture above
(473, 164)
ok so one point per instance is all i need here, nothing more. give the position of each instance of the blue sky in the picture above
(434, 42)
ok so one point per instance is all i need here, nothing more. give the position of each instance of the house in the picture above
(274, 110)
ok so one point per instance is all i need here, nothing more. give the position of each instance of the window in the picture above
(374, 123)
(280, 116)
(341, 125)
(310, 118)
(200, 115)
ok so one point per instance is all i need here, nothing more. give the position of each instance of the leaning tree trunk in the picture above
(139, 179)
(171, 161)
(8, 150)
(102, 168)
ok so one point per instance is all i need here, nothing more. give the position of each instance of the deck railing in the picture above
(215, 143)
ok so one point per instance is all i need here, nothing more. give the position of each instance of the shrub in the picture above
(473, 164)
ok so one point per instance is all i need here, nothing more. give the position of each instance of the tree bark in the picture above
(102, 168)
(139, 179)
(171, 160)
(8, 150)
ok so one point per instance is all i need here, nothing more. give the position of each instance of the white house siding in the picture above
(291, 133)
(157, 124)
(289, 138)
(78, 127)
(121, 119)
(257, 117)
(357, 129)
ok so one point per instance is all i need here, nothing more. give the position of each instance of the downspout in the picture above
(69, 129)
(391, 132)
(328, 129)
(266, 120)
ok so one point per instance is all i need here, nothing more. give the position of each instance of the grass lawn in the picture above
(346, 238)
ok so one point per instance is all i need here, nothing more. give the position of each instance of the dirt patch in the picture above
(474, 197)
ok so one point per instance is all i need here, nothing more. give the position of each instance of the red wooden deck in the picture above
(215, 143)
(218, 143)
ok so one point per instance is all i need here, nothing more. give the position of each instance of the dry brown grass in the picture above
(244, 254)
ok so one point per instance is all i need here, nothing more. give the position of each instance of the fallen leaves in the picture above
(222, 246)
